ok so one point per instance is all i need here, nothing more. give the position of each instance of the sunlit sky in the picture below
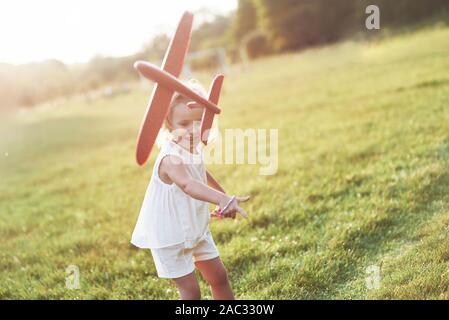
(74, 31)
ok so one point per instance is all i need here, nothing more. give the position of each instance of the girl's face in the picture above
(186, 123)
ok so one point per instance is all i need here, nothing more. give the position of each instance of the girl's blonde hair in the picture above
(165, 131)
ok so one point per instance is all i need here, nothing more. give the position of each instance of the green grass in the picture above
(363, 180)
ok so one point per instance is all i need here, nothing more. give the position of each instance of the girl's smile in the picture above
(186, 124)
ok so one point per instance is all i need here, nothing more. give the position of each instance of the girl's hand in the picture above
(216, 212)
(232, 207)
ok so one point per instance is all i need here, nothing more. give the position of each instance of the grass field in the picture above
(362, 181)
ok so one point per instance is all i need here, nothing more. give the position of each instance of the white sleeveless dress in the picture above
(168, 215)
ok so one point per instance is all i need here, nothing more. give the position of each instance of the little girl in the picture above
(174, 218)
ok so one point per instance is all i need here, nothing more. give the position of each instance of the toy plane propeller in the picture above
(167, 83)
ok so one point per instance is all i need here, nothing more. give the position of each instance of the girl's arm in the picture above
(173, 167)
(213, 183)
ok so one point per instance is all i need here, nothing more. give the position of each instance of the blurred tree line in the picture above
(258, 27)
(297, 24)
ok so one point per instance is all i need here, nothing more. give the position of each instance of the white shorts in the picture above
(177, 260)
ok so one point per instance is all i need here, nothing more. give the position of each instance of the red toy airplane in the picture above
(167, 83)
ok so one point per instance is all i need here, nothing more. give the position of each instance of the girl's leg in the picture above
(214, 272)
(188, 287)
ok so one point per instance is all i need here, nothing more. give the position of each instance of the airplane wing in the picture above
(165, 79)
(161, 96)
